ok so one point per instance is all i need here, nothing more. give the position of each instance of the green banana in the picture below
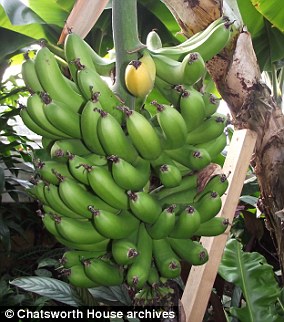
(114, 226)
(215, 146)
(207, 46)
(61, 148)
(153, 40)
(164, 224)
(124, 251)
(170, 175)
(91, 83)
(102, 272)
(192, 108)
(144, 206)
(29, 75)
(58, 113)
(166, 260)
(154, 276)
(37, 191)
(53, 199)
(78, 199)
(130, 177)
(103, 184)
(210, 129)
(113, 139)
(138, 272)
(169, 91)
(75, 257)
(181, 198)
(94, 247)
(53, 81)
(172, 124)
(213, 227)
(208, 205)
(218, 183)
(191, 251)
(46, 143)
(194, 68)
(49, 224)
(96, 159)
(77, 168)
(77, 231)
(48, 170)
(34, 127)
(89, 122)
(187, 223)
(35, 108)
(142, 134)
(211, 103)
(77, 277)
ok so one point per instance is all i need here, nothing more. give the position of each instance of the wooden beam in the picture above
(201, 278)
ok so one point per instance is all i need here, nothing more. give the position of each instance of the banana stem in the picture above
(126, 43)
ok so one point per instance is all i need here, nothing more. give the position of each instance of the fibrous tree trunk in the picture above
(238, 78)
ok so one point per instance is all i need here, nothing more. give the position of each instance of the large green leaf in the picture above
(272, 10)
(255, 277)
(45, 286)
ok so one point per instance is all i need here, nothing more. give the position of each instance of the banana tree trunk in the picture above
(238, 79)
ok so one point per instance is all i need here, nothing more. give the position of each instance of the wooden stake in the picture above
(201, 278)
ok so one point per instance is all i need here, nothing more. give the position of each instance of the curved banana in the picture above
(169, 91)
(153, 40)
(77, 277)
(130, 177)
(61, 148)
(142, 134)
(75, 257)
(89, 123)
(218, 183)
(30, 77)
(194, 68)
(53, 81)
(36, 191)
(208, 205)
(215, 146)
(211, 102)
(170, 175)
(124, 251)
(79, 200)
(213, 227)
(103, 184)
(113, 139)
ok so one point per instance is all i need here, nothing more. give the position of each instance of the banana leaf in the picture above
(255, 277)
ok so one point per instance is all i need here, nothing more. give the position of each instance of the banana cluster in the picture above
(120, 188)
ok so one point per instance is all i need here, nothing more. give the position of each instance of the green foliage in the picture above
(255, 277)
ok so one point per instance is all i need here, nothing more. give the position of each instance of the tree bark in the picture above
(238, 78)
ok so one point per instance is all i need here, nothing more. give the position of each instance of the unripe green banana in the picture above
(46, 143)
(218, 183)
(52, 196)
(214, 147)
(77, 231)
(53, 81)
(91, 83)
(210, 129)
(114, 226)
(140, 75)
(170, 175)
(77, 277)
(103, 184)
(103, 273)
(37, 191)
(49, 224)
(153, 40)
(154, 276)
(48, 170)
(34, 127)
(213, 227)
(194, 68)
(169, 91)
(35, 108)
(130, 177)
(29, 75)
(208, 205)
(192, 108)
(144, 206)
(172, 124)
(164, 224)
(58, 113)
(181, 198)
(191, 251)
(89, 122)
(94, 247)
(61, 148)
(124, 251)
(79, 199)
(142, 134)
(75, 257)
(113, 139)
(96, 159)
(138, 273)
(166, 260)
(211, 103)
(187, 223)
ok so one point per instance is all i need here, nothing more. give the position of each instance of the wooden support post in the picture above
(201, 278)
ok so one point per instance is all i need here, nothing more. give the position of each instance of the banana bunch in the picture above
(121, 188)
